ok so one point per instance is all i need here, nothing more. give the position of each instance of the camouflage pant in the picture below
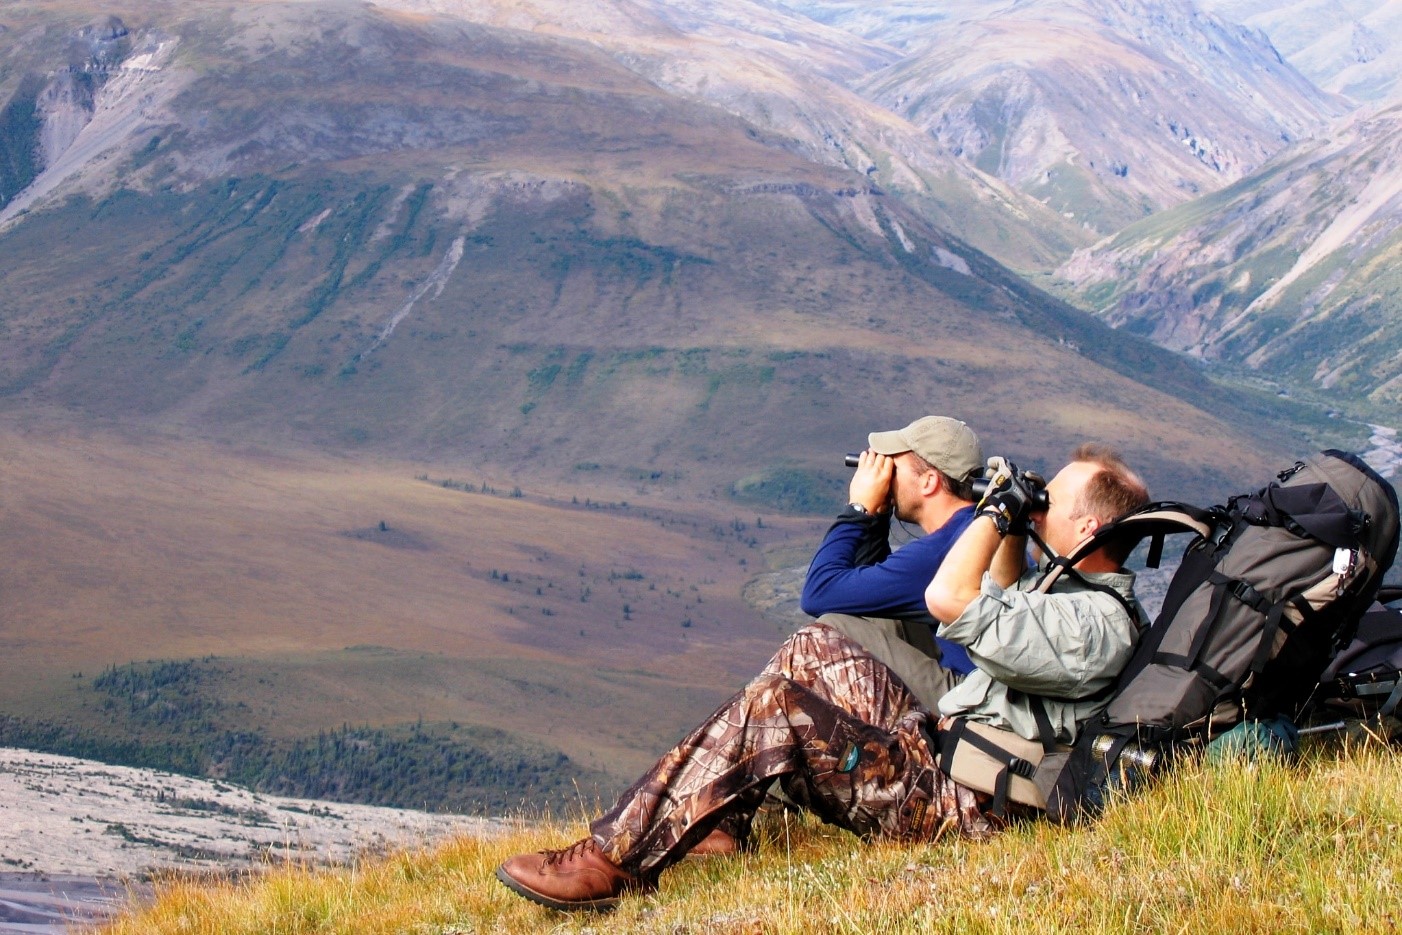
(832, 724)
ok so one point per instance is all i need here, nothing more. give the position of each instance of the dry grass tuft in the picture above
(1237, 848)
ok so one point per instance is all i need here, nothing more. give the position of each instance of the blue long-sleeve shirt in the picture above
(855, 572)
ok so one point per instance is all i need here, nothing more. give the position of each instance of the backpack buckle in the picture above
(1020, 767)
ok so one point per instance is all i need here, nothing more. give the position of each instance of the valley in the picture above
(435, 403)
(301, 593)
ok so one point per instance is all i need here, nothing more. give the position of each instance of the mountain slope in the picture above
(1105, 111)
(785, 73)
(359, 227)
(1351, 47)
(787, 86)
(1292, 271)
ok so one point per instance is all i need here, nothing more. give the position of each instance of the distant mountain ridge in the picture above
(1351, 47)
(1105, 110)
(731, 65)
(1293, 271)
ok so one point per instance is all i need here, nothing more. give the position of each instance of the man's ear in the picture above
(930, 483)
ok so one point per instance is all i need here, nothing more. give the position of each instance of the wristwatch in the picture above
(858, 508)
(1001, 521)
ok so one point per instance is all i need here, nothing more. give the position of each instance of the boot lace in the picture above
(576, 849)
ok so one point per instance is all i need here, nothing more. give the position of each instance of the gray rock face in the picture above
(61, 815)
(112, 89)
(100, 45)
(76, 837)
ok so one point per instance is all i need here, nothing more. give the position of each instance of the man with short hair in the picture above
(1061, 648)
(920, 474)
(846, 738)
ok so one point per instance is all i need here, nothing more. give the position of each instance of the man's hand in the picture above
(1007, 501)
(871, 482)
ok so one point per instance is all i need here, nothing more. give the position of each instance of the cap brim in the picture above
(887, 443)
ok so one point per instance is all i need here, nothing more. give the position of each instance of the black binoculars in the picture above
(1035, 484)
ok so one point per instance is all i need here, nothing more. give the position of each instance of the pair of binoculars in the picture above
(1035, 486)
(1034, 483)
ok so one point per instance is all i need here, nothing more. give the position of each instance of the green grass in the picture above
(1240, 848)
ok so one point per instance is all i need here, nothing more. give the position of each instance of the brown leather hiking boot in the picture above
(578, 877)
(719, 843)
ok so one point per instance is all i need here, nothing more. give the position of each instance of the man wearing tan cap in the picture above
(921, 474)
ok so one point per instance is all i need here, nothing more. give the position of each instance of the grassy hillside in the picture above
(361, 316)
(270, 598)
(1261, 848)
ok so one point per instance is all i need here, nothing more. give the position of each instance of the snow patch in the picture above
(315, 222)
(386, 228)
(148, 61)
(901, 235)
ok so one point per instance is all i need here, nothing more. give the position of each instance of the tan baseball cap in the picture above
(948, 444)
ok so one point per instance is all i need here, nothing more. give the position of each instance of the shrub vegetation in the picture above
(168, 715)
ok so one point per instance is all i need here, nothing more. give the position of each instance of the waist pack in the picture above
(1269, 587)
(999, 762)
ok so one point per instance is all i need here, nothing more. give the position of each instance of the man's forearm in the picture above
(1010, 561)
(959, 578)
(874, 544)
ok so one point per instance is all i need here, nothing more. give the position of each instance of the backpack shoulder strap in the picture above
(1156, 520)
